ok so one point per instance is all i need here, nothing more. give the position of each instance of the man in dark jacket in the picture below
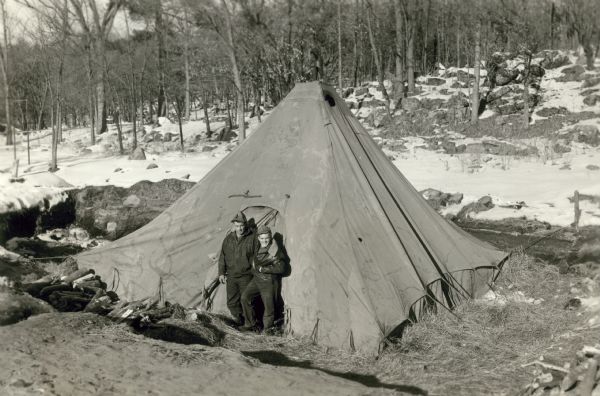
(267, 267)
(235, 263)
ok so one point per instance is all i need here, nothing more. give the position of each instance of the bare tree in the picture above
(377, 56)
(10, 137)
(339, 18)
(96, 27)
(476, 67)
(237, 78)
(582, 17)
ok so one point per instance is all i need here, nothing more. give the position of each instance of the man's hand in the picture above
(222, 278)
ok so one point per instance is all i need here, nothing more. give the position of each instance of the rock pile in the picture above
(506, 75)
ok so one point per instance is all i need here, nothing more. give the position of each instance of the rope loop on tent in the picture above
(161, 291)
(115, 279)
(315, 332)
(288, 321)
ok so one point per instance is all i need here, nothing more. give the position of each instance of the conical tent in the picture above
(367, 252)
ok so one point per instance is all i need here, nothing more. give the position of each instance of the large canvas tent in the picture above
(367, 252)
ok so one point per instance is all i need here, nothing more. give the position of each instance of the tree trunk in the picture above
(206, 120)
(552, 17)
(41, 109)
(117, 120)
(236, 73)
(355, 47)
(475, 106)
(162, 54)
(378, 60)
(410, 58)
(457, 41)
(10, 138)
(426, 38)
(339, 42)
(186, 60)
(588, 51)
(180, 123)
(399, 71)
(526, 92)
(91, 101)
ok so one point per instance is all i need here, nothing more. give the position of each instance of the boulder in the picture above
(132, 201)
(458, 100)
(483, 204)
(455, 199)
(592, 167)
(138, 154)
(378, 118)
(432, 104)
(591, 100)
(552, 111)
(372, 103)
(348, 92)
(590, 81)
(97, 206)
(505, 76)
(168, 137)
(587, 92)
(498, 93)
(438, 199)
(225, 134)
(588, 134)
(152, 166)
(208, 148)
(15, 307)
(536, 71)
(458, 84)
(361, 91)
(571, 73)
(410, 104)
(352, 104)
(449, 147)
(561, 149)
(551, 59)
(435, 81)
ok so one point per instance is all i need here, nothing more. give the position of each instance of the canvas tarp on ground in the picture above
(367, 251)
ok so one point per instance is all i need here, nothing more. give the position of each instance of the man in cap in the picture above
(267, 267)
(235, 263)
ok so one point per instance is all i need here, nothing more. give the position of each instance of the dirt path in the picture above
(85, 354)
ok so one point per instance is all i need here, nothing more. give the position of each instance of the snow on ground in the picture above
(543, 182)
(564, 94)
(542, 185)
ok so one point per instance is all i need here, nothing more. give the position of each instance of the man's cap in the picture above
(263, 229)
(240, 217)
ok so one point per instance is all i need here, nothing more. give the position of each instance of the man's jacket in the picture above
(236, 254)
(268, 262)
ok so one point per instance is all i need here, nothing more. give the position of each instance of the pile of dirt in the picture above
(87, 354)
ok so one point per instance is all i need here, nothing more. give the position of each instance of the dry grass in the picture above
(478, 351)
(481, 351)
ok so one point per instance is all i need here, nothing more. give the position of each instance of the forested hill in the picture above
(84, 62)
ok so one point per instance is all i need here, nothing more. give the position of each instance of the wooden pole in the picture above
(577, 210)
(28, 153)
